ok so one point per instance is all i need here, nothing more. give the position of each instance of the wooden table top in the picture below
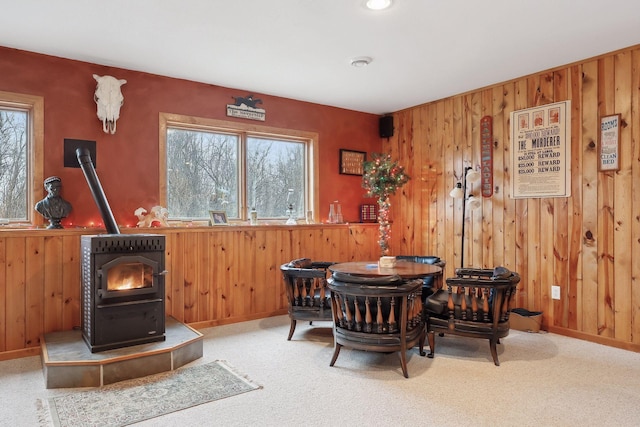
(404, 269)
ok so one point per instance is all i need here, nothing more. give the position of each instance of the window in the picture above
(21, 142)
(217, 165)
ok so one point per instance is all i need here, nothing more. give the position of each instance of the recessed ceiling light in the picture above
(378, 4)
(361, 61)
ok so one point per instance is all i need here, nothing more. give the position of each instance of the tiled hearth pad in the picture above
(67, 361)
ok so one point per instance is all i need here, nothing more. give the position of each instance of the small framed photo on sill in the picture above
(352, 162)
(217, 218)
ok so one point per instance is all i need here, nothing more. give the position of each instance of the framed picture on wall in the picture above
(609, 146)
(217, 218)
(352, 162)
(541, 149)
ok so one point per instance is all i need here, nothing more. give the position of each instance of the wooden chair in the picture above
(307, 294)
(432, 283)
(476, 303)
(382, 314)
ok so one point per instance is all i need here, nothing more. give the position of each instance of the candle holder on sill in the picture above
(335, 213)
(290, 212)
(292, 215)
(253, 216)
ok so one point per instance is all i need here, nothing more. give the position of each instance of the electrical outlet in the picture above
(555, 292)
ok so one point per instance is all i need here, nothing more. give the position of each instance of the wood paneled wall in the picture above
(586, 243)
(215, 275)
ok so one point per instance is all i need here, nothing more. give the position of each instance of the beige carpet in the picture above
(543, 380)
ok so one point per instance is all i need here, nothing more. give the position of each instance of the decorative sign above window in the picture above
(246, 108)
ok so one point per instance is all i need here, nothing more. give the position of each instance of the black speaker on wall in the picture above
(386, 126)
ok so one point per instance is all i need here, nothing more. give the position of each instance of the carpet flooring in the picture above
(543, 379)
(132, 401)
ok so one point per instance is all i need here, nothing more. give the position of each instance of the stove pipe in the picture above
(84, 158)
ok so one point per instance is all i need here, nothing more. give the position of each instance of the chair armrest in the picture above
(304, 272)
(321, 264)
(484, 277)
(366, 280)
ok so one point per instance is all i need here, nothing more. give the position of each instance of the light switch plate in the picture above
(555, 292)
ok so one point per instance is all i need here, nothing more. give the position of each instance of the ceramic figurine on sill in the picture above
(141, 213)
(159, 217)
(53, 207)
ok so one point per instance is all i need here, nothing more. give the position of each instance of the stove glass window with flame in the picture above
(130, 275)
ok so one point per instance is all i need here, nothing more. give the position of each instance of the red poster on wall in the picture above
(486, 155)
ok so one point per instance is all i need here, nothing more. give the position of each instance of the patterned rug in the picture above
(132, 401)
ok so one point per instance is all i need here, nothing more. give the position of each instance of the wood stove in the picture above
(122, 290)
(122, 280)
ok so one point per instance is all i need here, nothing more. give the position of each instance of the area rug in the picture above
(132, 401)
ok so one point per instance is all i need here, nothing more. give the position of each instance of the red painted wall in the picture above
(127, 162)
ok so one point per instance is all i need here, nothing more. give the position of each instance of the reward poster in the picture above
(541, 151)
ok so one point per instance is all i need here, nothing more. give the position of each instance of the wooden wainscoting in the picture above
(216, 275)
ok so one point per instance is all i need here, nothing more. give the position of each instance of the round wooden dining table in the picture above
(404, 269)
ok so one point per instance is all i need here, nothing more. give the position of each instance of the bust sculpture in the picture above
(53, 207)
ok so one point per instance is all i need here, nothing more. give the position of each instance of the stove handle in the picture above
(162, 273)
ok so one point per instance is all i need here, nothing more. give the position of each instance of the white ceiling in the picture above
(422, 50)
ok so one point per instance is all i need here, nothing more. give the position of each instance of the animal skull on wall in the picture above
(109, 99)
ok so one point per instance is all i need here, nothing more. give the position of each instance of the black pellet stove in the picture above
(123, 289)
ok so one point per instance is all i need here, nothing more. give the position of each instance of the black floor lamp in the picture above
(460, 192)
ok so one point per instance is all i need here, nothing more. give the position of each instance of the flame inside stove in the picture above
(126, 276)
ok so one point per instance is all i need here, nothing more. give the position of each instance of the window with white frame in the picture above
(225, 166)
(21, 140)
